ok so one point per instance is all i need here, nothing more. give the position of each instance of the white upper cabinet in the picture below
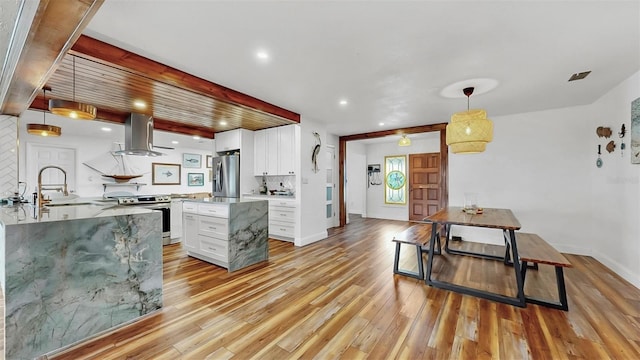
(286, 150)
(274, 151)
(227, 140)
(265, 148)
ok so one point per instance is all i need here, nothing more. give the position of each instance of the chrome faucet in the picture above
(60, 187)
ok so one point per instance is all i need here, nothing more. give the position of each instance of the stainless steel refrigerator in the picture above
(226, 176)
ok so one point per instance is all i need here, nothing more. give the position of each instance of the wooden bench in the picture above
(418, 235)
(533, 249)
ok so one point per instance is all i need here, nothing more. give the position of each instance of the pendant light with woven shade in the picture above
(72, 109)
(44, 129)
(469, 131)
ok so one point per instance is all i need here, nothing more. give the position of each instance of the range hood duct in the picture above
(138, 136)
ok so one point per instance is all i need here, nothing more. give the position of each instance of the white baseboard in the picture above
(311, 238)
(619, 269)
(613, 265)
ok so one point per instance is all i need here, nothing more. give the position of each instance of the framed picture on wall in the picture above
(209, 161)
(195, 179)
(191, 161)
(165, 174)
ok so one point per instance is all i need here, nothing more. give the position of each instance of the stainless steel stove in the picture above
(155, 202)
(144, 199)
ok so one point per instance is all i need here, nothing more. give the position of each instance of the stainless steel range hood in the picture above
(138, 136)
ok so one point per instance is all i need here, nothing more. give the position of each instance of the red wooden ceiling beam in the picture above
(114, 56)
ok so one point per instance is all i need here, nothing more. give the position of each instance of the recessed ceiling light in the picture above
(174, 142)
(105, 129)
(343, 102)
(381, 124)
(139, 104)
(223, 123)
(196, 137)
(262, 55)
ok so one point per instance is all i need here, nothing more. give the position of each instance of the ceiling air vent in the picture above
(579, 76)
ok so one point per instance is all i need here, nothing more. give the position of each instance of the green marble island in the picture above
(72, 272)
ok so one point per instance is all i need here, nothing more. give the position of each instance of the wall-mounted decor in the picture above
(604, 132)
(165, 174)
(395, 180)
(599, 160)
(374, 174)
(621, 134)
(192, 161)
(195, 179)
(315, 151)
(611, 146)
(635, 131)
(209, 161)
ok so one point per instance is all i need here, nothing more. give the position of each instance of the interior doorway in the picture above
(425, 191)
(39, 156)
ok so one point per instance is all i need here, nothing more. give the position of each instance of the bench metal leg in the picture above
(562, 304)
(413, 274)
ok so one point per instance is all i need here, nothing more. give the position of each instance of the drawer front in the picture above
(284, 203)
(214, 248)
(213, 210)
(282, 229)
(213, 226)
(282, 214)
(189, 207)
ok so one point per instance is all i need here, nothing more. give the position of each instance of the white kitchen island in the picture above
(227, 232)
(72, 272)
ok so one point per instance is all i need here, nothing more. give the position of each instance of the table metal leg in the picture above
(519, 300)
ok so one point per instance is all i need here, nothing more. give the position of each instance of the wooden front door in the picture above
(424, 185)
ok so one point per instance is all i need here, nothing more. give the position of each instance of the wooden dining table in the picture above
(500, 219)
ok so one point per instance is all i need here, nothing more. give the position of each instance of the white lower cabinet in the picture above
(230, 234)
(176, 220)
(190, 231)
(282, 219)
(206, 232)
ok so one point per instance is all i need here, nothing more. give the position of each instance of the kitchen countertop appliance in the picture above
(155, 202)
(226, 176)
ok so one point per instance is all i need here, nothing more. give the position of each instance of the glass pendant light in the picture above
(404, 141)
(72, 109)
(44, 129)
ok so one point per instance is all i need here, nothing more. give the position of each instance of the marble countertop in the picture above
(269, 197)
(222, 200)
(29, 214)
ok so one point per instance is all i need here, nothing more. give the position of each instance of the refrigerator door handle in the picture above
(219, 176)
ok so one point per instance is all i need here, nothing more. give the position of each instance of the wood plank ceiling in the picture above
(111, 79)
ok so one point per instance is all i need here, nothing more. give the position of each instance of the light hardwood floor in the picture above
(339, 299)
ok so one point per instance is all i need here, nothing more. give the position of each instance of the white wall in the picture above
(356, 176)
(614, 225)
(376, 208)
(312, 188)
